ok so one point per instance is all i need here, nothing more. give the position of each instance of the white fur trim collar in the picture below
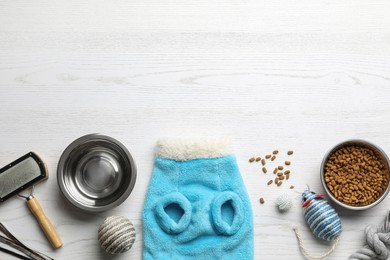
(188, 149)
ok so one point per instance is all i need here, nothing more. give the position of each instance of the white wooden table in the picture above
(301, 75)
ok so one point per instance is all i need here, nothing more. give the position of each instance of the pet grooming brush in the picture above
(20, 175)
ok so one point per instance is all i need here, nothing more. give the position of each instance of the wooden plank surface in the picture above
(301, 75)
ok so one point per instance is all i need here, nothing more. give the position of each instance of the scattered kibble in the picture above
(355, 175)
(280, 175)
(262, 200)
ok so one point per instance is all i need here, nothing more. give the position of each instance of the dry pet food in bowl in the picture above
(355, 174)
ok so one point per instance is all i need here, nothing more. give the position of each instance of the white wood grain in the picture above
(299, 75)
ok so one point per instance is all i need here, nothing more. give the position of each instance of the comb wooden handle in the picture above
(44, 222)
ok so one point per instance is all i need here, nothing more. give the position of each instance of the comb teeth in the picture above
(20, 175)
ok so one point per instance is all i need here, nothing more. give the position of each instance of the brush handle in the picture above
(44, 222)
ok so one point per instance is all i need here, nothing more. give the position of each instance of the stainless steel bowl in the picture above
(96, 173)
(378, 152)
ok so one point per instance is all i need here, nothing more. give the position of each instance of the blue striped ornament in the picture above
(322, 219)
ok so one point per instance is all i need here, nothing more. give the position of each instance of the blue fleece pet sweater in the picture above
(196, 205)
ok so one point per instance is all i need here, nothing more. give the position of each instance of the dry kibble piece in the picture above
(287, 172)
(264, 170)
(276, 170)
(280, 168)
(275, 152)
(281, 178)
(258, 159)
(262, 200)
(273, 158)
(267, 156)
(287, 176)
(276, 180)
(280, 174)
(290, 152)
(252, 159)
(287, 162)
(291, 187)
(280, 183)
(263, 162)
(270, 182)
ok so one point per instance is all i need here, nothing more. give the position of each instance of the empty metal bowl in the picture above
(377, 151)
(96, 173)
